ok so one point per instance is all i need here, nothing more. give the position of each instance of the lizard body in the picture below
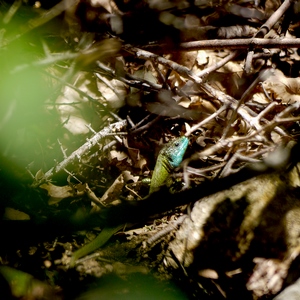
(169, 158)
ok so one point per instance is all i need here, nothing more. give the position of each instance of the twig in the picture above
(46, 17)
(202, 171)
(265, 28)
(255, 136)
(132, 81)
(238, 44)
(83, 94)
(228, 169)
(49, 60)
(263, 75)
(219, 64)
(81, 151)
(72, 175)
(182, 70)
(214, 115)
(62, 149)
(245, 112)
(146, 126)
(256, 119)
(11, 12)
(109, 145)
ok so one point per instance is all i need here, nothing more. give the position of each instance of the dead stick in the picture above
(77, 154)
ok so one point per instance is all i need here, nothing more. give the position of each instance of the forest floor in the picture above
(91, 91)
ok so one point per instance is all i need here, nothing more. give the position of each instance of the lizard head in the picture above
(174, 151)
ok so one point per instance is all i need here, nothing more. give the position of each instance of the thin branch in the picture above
(77, 154)
(11, 12)
(238, 44)
(245, 112)
(47, 61)
(202, 171)
(265, 28)
(212, 116)
(219, 64)
(263, 75)
(255, 136)
(46, 17)
(133, 81)
(182, 70)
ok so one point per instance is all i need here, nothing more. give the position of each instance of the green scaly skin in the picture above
(169, 158)
(99, 241)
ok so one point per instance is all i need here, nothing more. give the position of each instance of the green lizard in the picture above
(169, 158)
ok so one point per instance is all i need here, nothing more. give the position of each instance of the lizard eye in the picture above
(176, 144)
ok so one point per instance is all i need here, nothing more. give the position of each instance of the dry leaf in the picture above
(13, 214)
(119, 155)
(284, 88)
(57, 193)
